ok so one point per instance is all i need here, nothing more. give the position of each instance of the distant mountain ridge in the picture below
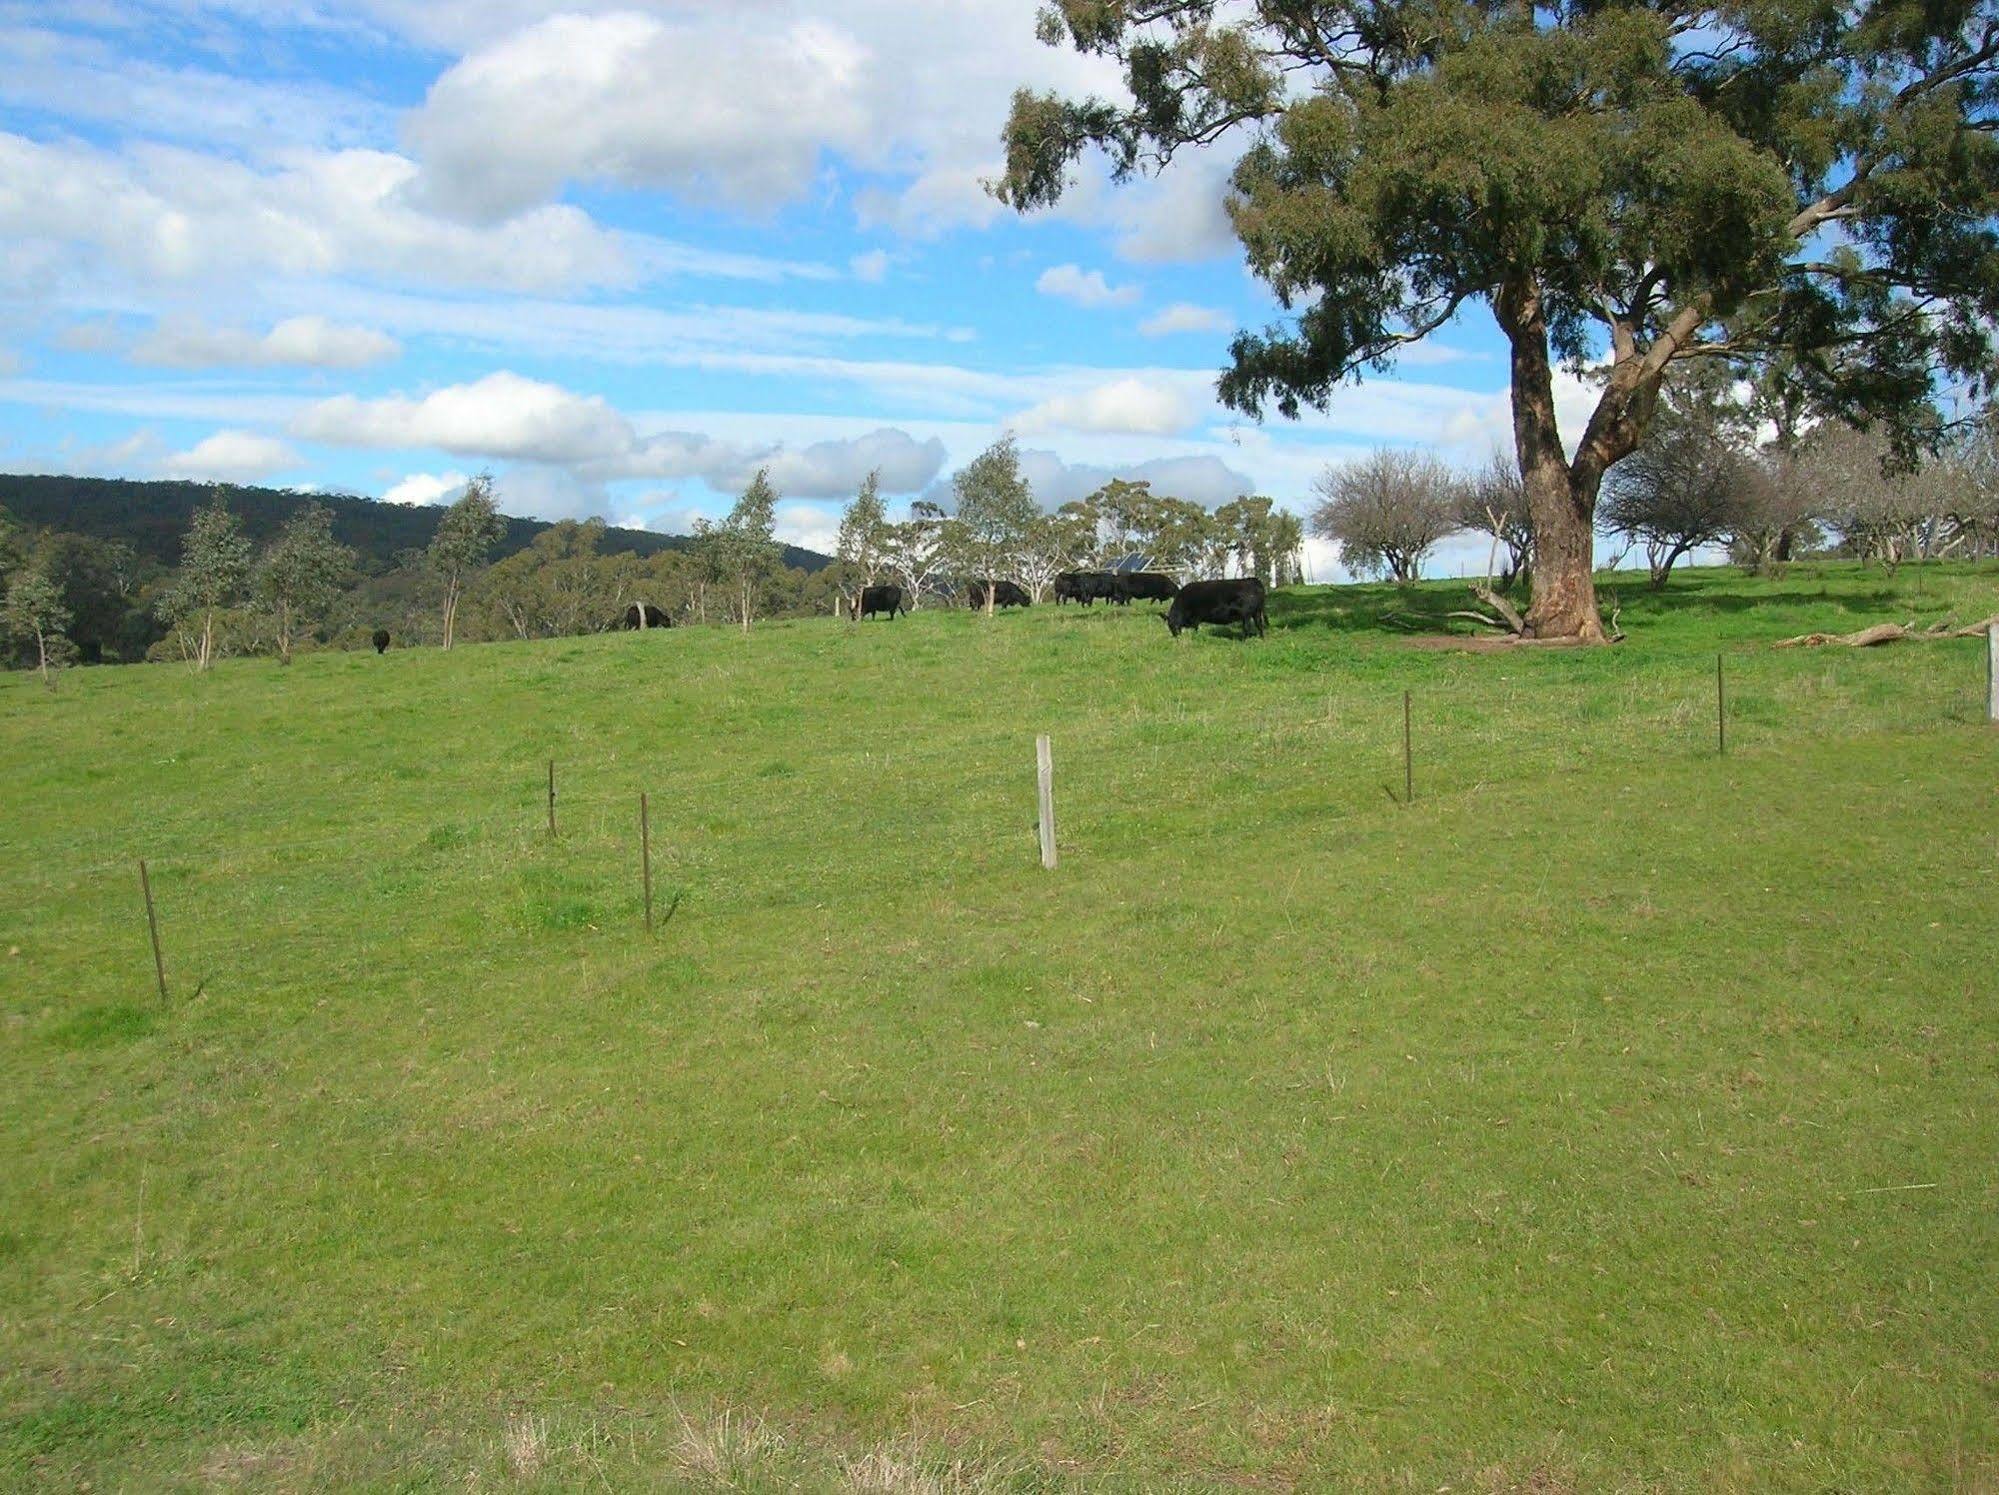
(151, 517)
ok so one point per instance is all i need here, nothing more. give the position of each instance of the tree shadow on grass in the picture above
(1696, 597)
(1376, 607)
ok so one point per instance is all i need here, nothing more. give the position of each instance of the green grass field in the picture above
(1616, 1116)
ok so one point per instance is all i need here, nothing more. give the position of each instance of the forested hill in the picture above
(152, 517)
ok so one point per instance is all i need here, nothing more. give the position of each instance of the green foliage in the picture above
(36, 618)
(465, 536)
(301, 574)
(214, 566)
(996, 513)
(867, 539)
(743, 550)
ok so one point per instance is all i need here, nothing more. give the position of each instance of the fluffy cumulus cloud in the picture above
(1134, 406)
(708, 106)
(502, 415)
(1204, 479)
(1184, 316)
(1084, 287)
(232, 456)
(506, 417)
(834, 469)
(426, 488)
(297, 342)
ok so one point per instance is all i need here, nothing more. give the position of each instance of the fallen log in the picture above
(1887, 633)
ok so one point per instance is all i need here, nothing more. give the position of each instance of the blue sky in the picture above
(620, 256)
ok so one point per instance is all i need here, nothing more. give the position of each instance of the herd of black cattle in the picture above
(1222, 602)
(1238, 601)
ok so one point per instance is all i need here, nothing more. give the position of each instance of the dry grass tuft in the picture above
(525, 1444)
(728, 1449)
(906, 1468)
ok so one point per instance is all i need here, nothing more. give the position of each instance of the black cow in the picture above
(1005, 594)
(1201, 602)
(381, 641)
(881, 600)
(1145, 586)
(1085, 586)
(645, 615)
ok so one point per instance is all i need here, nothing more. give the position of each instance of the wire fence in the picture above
(318, 882)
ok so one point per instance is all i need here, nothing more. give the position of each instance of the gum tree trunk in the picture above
(1561, 502)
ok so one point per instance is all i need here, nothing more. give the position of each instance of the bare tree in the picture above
(1778, 514)
(1684, 487)
(1493, 502)
(1880, 511)
(1387, 511)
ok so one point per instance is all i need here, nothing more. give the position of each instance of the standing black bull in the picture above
(881, 600)
(1085, 587)
(381, 641)
(1201, 602)
(1145, 586)
(1005, 594)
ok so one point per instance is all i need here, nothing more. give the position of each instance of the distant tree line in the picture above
(998, 530)
(293, 584)
(1720, 468)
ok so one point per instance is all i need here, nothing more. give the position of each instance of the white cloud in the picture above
(426, 488)
(834, 469)
(814, 526)
(713, 109)
(1134, 405)
(507, 417)
(83, 77)
(232, 456)
(1085, 288)
(159, 214)
(501, 415)
(300, 342)
(1204, 480)
(1184, 316)
(871, 266)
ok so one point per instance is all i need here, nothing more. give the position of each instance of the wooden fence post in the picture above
(1044, 777)
(645, 855)
(1992, 673)
(153, 929)
(1720, 710)
(1408, 756)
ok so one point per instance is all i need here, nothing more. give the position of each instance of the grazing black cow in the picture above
(1005, 594)
(1085, 586)
(381, 641)
(1145, 586)
(1201, 602)
(881, 600)
(645, 615)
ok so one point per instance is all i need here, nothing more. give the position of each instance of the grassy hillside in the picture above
(152, 517)
(1615, 1116)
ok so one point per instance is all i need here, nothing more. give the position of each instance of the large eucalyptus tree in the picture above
(1805, 184)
